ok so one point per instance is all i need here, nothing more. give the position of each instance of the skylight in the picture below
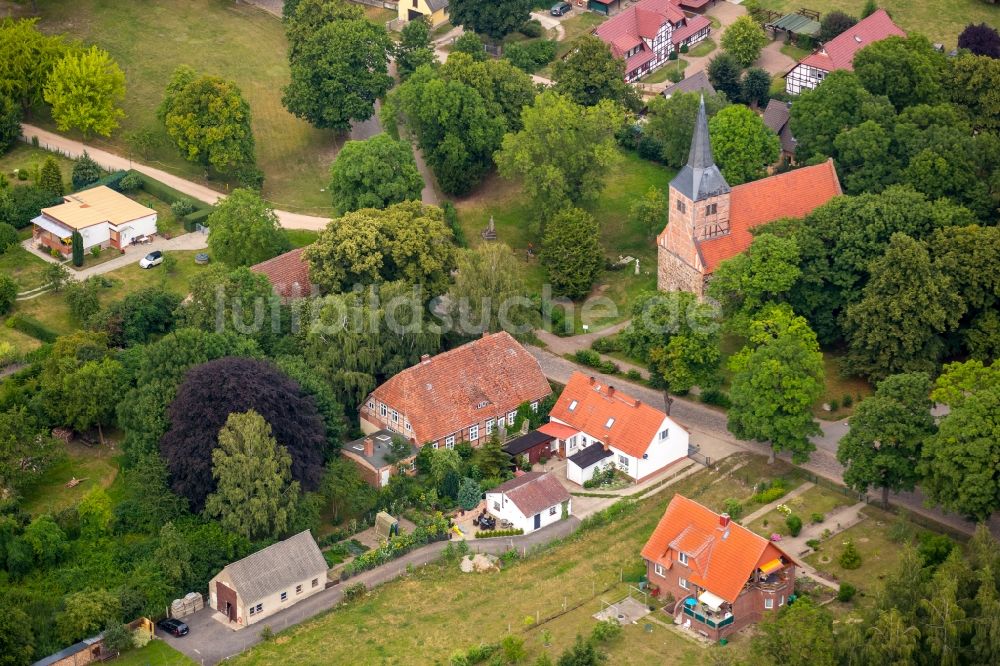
(610, 422)
(573, 405)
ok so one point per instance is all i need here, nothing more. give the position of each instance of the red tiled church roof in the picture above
(794, 193)
(838, 53)
(442, 394)
(720, 563)
(288, 273)
(635, 423)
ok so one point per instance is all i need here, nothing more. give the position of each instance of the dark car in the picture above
(561, 9)
(173, 626)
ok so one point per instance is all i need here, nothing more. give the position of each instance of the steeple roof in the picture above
(700, 178)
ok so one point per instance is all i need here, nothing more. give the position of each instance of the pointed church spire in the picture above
(700, 178)
(700, 156)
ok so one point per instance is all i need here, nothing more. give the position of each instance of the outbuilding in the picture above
(270, 580)
(530, 501)
(535, 445)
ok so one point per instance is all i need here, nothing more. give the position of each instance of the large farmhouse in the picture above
(611, 428)
(103, 218)
(462, 395)
(709, 221)
(645, 34)
(722, 576)
(839, 52)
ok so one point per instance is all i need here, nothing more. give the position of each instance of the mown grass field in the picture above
(518, 226)
(939, 20)
(95, 466)
(27, 158)
(228, 39)
(434, 611)
(155, 653)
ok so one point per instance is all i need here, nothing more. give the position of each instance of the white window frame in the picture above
(534, 406)
(496, 505)
(510, 418)
(434, 445)
(395, 416)
(768, 604)
(371, 405)
(682, 558)
(383, 410)
(473, 433)
(449, 442)
(489, 427)
(552, 510)
(682, 583)
(664, 433)
(252, 611)
(622, 459)
(260, 608)
(407, 426)
(298, 589)
(658, 569)
(284, 596)
(781, 600)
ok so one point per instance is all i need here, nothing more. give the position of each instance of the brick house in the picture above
(375, 458)
(839, 52)
(722, 576)
(460, 395)
(709, 221)
(645, 34)
(288, 274)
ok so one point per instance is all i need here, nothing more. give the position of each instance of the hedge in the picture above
(165, 193)
(33, 327)
(197, 217)
(489, 534)
(112, 180)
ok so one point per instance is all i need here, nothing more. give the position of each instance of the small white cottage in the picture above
(530, 501)
(104, 218)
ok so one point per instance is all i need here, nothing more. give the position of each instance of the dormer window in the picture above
(682, 558)
(572, 405)
(610, 422)
(481, 405)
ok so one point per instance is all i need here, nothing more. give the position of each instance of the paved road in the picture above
(707, 423)
(211, 641)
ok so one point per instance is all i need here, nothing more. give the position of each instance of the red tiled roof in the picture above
(694, 25)
(838, 53)
(557, 430)
(635, 423)
(720, 565)
(441, 395)
(794, 193)
(642, 19)
(534, 491)
(288, 273)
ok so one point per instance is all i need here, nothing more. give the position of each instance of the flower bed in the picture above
(489, 534)
(434, 529)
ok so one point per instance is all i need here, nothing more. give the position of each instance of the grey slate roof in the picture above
(518, 446)
(590, 455)
(776, 117)
(700, 178)
(435, 5)
(697, 82)
(533, 491)
(276, 567)
(382, 440)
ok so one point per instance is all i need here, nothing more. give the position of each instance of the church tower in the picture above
(699, 210)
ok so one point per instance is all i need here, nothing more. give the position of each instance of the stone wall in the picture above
(673, 274)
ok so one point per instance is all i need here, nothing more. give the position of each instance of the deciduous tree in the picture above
(496, 19)
(222, 298)
(907, 70)
(564, 152)
(783, 353)
(888, 429)
(472, 45)
(10, 121)
(755, 88)
(245, 230)
(303, 18)
(489, 292)
(95, 513)
(833, 23)
(981, 40)
(649, 212)
(742, 144)
(374, 173)
(27, 57)
(407, 241)
(17, 640)
(571, 252)
(173, 555)
(744, 39)
(86, 613)
(724, 71)
(414, 48)
(26, 450)
(254, 494)
(84, 90)
(670, 122)
(345, 490)
(974, 83)
(8, 293)
(338, 73)
(590, 73)
(137, 318)
(800, 635)
(214, 390)
(821, 114)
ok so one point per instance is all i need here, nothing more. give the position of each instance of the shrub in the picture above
(588, 357)
(182, 207)
(489, 534)
(531, 56)
(605, 345)
(816, 517)
(606, 631)
(609, 367)
(432, 529)
(8, 293)
(8, 237)
(95, 251)
(716, 397)
(169, 263)
(649, 148)
(684, 48)
(513, 649)
(607, 516)
(813, 543)
(604, 477)
(130, 182)
(54, 253)
(846, 592)
(531, 28)
(355, 591)
(850, 558)
(934, 549)
(770, 492)
(77, 249)
(733, 507)
(267, 633)
(118, 638)
(634, 375)
(834, 405)
(847, 400)
(85, 172)
(673, 56)
(794, 524)
(33, 327)
(451, 219)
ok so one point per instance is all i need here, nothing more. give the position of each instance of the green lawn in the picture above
(233, 40)
(939, 20)
(95, 466)
(661, 74)
(794, 52)
(702, 48)
(167, 224)
(436, 610)
(26, 157)
(517, 225)
(301, 237)
(155, 653)
(839, 386)
(26, 269)
(815, 500)
(581, 24)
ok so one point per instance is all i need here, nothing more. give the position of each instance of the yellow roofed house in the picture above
(103, 217)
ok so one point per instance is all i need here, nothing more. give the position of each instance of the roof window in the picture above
(610, 422)
(572, 405)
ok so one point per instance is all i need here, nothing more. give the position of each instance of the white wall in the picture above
(144, 226)
(270, 604)
(508, 511)
(579, 475)
(663, 452)
(95, 235)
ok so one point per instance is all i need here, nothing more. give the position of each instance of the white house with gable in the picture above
(613, 428)
(530, 501)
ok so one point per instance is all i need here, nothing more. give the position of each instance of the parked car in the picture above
(173, 626)
(561, 9)
(154, 258)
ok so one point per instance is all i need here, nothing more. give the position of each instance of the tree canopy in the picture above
(414, 48)
(209, 393)
(10, 121)
(27, 56)
(137, 318)
(407, 241)
(742, 144)
(571, 252)
(907, 70)
(84, 89)
(245, 230)
(590, 73)
(496, 19)
(564, 151)
(725, 72)
(980, 39)
(744, 39)
(489, 292)
(833, 23)
(670, 122)
(374, 173)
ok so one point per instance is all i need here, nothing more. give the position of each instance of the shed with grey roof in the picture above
(270, 580)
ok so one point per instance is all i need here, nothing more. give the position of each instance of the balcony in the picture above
(713, 620)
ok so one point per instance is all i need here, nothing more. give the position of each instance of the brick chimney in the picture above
(425, 359)
(724, 520)
(638, 402)
(606, 445)
(611, 391)
(592, 380)
(369, 447)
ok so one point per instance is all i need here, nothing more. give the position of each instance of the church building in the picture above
(709, 221)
